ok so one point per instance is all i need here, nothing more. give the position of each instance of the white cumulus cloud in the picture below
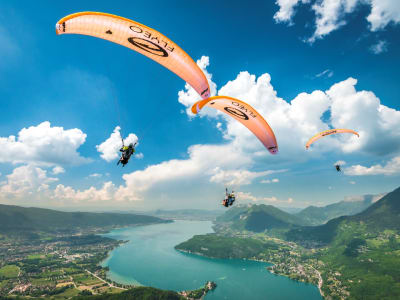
(26, 181)
(296, 121)
(238, 177)
(392, 167)
(43, 145)
(286, 10)
(331, 14)
(383, 12)
(109, 149)
(58, 170)
(106, 193)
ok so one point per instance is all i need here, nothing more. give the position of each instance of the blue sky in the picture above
(343, 57)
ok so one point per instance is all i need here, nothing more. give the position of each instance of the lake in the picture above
(149, 259)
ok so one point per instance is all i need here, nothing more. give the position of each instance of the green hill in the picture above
(319, 215)
(212, 245)
(15, 219)
(258, 218)
(383, 214)
(139, 293)
(363, 250)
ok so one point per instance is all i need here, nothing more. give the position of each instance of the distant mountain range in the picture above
(262, 217)
(382, 215)
(187, 214)
(15, 219)
(314, 215)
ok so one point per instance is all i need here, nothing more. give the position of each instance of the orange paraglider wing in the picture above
(245, 114)
(139, 38)
(329, 132)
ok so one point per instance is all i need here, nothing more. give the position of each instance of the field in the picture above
(10, 271)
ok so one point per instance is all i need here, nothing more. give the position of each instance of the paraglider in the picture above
(139, 38)
(245, 114)
(338, 168)
(127, 152)
(329, 132)
(229, 198)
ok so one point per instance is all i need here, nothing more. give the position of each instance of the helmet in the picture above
(131, 145)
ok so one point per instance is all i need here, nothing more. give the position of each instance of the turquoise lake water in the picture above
(149, 258)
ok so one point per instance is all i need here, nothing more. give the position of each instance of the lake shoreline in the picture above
(319, 286)
(121, 273)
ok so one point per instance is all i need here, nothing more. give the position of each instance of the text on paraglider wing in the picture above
(149, 41)
(244, 109)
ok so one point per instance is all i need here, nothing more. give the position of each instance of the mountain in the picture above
(382, 215)
(320, 215)
(136, 293)
(360, 256)
(187, 214)
(22, 219)
(217, 246)
(258, 218)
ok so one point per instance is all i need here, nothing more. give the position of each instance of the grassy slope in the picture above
(142, 293)
(216, 246)
(258, 218)
(17, 219)
(364, 249)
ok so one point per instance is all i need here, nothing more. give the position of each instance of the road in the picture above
(101, 279)
(320, 281)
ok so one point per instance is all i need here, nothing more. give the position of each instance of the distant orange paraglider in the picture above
(329, 132)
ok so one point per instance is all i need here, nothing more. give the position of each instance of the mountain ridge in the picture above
(315, 215)
(29, 219)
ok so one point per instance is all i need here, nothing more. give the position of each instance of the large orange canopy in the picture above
(243, 113)
(329, 132)
(139, 38)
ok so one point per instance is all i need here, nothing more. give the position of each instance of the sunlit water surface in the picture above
(149, 258)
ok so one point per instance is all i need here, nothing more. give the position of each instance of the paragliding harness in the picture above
(229, 198)
(127, 152)
(338, 168)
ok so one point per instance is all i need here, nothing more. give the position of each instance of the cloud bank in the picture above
(43, 145)
(331, 14)
(240, 159)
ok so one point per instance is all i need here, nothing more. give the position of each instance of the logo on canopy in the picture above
(237, 113)
(148, 46)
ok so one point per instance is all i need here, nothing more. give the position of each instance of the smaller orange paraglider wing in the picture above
(329, 132)
(245, 114)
